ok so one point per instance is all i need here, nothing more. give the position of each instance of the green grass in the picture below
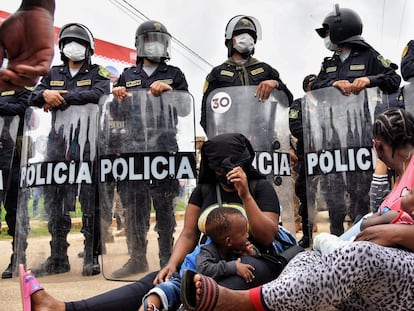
(39, 226)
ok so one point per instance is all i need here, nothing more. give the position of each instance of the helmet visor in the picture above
(236, 19)
(154, 44)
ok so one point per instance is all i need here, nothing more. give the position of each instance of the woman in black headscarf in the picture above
(227, 178)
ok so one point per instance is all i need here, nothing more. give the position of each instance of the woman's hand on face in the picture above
(164, 274)
(239, 178)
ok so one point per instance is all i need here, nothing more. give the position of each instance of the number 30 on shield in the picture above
(221, 102)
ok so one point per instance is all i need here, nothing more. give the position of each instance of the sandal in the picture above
(208, 296)
(28, 286)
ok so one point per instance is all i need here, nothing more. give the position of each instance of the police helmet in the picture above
(242, 24)
(78, 32)
(344, 25)
(153, 32)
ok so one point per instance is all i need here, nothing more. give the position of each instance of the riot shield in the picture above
(146, 156)
(266, 125)
(408, 94)
(58, 191)
(339, 157)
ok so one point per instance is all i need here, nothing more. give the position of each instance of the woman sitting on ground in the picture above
(373, 273)
(225, 174)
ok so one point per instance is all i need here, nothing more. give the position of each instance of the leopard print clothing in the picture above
(358, 276)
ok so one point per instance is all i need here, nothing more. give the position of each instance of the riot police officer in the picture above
(12, 103)
(153, 44)
(241, 35)
(354, 66)
(76, 82)
(303, 193)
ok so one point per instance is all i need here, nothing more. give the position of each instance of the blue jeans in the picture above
(169, 292)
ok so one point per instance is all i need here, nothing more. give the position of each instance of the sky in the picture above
(289, 42)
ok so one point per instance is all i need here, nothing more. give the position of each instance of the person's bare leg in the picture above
(42, 301)
(228, 299)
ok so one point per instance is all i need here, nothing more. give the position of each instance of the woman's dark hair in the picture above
(218, 224)
(225, 152)
(395, 126)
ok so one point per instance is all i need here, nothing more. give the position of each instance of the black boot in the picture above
(90, 258)
(8, 273)
(91, 268)
(165, 246)
(58, 262)
(136, 264)
(133, 266)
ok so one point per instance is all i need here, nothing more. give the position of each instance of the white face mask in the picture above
(329, 45)
(74, 51)
(154, 51)
(243, 43)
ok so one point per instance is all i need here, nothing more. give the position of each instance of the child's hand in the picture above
(245, 271)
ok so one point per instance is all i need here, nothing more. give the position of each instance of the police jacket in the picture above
(232, 74)
(86, 87)
(12, 103)
(160, 131)
(363, 61)
(135, 78)
(407, 61)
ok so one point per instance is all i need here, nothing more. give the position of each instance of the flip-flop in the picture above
(208, 297)
(28, 286)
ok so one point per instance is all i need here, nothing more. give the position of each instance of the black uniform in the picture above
(87, 86)
(231, 73)
(162, 193)
(305, 195)
(363, 61)
(12, 103)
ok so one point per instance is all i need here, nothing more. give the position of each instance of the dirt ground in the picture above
(72, 285)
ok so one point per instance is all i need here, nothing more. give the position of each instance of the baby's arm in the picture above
(378, 219)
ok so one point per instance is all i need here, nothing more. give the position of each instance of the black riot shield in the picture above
(58, 190)
(339, 156)
(146, 164)
(266, 125)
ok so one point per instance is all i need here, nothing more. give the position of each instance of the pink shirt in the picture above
(401, 188)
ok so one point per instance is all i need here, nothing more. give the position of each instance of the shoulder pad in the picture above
(205, 87)
(103, 72)
(385, 62)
